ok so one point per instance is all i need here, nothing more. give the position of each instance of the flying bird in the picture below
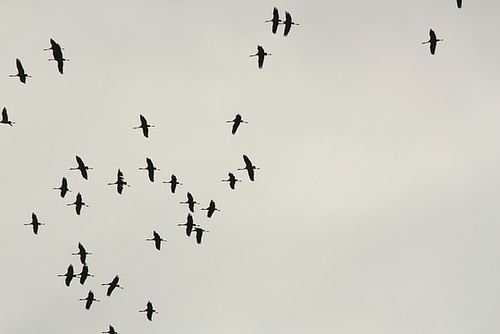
(112, 285)
(261, 54)
(211, 209)
(57, 54)
(20, 72)
(249, 167)
(84, 274)
(149, 311)
(5, 117)
(288, 23)
(78, 204)
(199, 233)
(111, 330)
(81, 167)
(157, 239)
(63, 188)
(173, 183)
(144, 126)
(90, 299)
(151, 169)
(120, 182)
(236, 123)
(232, 180)
(275, 20)
(190, 202)
(459, 3)
(82, 253)
(35, 223)
(433, 41)
(70, 274)
(189, 225)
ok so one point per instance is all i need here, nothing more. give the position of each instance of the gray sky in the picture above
(376, 206)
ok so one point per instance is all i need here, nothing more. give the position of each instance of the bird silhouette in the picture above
(157, 239)
(78, 204)
(20, 72)
(151, 169)
(211, 209)
(90, 299)
(433, 41)
(232, 180)
(149, 311)
(144, 126)
(173, 183)
(57, 54)
(459, 3)
(63, 188)
(189, 224)
(111, 330)
(84, 274)
(260, 54)
(5, 117)
(81, 167)
(112, 285)
(120, 182)
(190, 202)
(288, 23)
(82, 253)
(70, 274)
(35, 223)
(275, 20)
(199, 233)
(249, 167)
(236, 123)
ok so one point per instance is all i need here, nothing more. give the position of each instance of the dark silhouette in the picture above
(173, 183)
(112, 285)
(199, 233)
(144, 126)
(84, 274)
(63, 188)
(288, 23)
(433, 41)
(90, 299)
(151, 169)
(120, 182)
(149, 311)
(189, 225)
(20, 72)
(111, 330)
(35, 223)
(261, 54)
(78, 204)
(275, 20)
(211, 209)
(5, 117)
(249, 167)
(81, 167)
(459, 3)
(57, 54)
(232, 180)
(190, 202)
(70, 273)
(236, 123)
(83, 253)
(157, 239)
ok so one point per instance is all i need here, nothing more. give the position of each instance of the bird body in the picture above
(112, 285)
(190, 202)
(260, 54)
(78, 204)
(236, 123)
(189, 225)
(120, 182)
(199, 234)
(459, 3)
(150, 168)
(63, 188)
(149, 311)
(5, 117)
(144, 126)
(90, 299)
(70, 274)
(157, 239)
(82, 253)
(232, 180)
(275, 20)
(57, 54)
(211, 209)
(111, 330)
(432, 41)
(84, 274)
(288, 23)
(35, 223)
(249, 167)
(20, 72)
(173, 183)
(81, 167)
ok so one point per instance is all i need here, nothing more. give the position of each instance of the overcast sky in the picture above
(375, 209)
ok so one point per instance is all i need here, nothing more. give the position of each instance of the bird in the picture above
(459, 3)
(211, 209)
(112, 285)
(63, 188)
(190, 202)
(70, 273)
(120, 182)
(35, 223)
(149, 311)
(249, 167)
(232, 180)
(275, 20)
(157, 239)
(236, 123)
(20, 72)
(173, 183)
(144, 126)
(261, 54)
(78, 204)
(288, 23)
(57, 54)
(111, 330)
(433, 41)
(82, 252)
(84, 274)
(5, 117)
(81, 167)
(189, 225)
(90, 299)
(151, 169)
(199, 233)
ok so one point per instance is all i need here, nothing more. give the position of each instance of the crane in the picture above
(82, 253)
(173, 183)
(433, 41)
(261, 54)
(288, 23)
(275, 20)
(81, 167)
(459, 3)
(84, 274)
(111, 330)
(236, 123)
(199, 233)
(70, 274)
(144, 126)
(120, 182)
(189, 225)
(5, 117)
(78, 204)
(211, 209)
(112, 285)
(57, 54)
(63, 188)
(157, 239)
(249, 167)
(151, 169)
(190, 202)
(149, 311)
(35, 223)
(90, 299)
(20, 72)
(232, 180)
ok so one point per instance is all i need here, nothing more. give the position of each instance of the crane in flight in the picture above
(57, 54)
(232, 180)
(144, 126)
(189, 224)
(149, 311)
(90, 299)
(288, 23)
(459, 3)
(78, 204)
(432, 41)
(63, 188)
(199, 234)
(157, 239)
(35, 223)
(81, 167)
(84, 274)
(111, 330)
(211, 209)
(260, 54)
(151, 169)
(120, 182)
(249, 167)
(20, 72)
(236, 123)
(275, 20)
(112, 285)
(5, 117)
(82, 253)
(173, 183)
(190, 202)
(70, 274)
